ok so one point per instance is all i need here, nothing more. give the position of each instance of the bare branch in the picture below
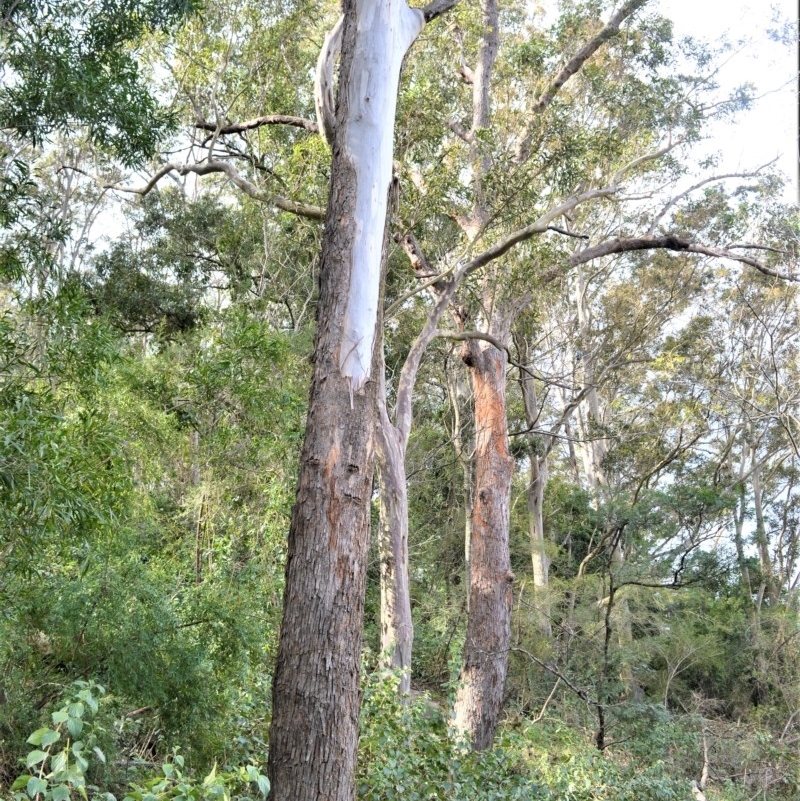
(667, 206)
(437, 8)
(461, 132)
(465, 336)
(656, 154)
(672, 243)
(250, 189)
(538, 227)
(550, 668)
(566, 233)
(722, 253)
(257, 122)
(627, 245)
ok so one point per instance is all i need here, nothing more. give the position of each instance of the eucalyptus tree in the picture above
(485, 150)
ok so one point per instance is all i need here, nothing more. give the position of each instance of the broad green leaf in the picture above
(50, 737)
(35, 786)
(35, 757)
(21, 781)
(59, 763)
(263, 785)
(60, 793)
(36, 737)
(76, 709)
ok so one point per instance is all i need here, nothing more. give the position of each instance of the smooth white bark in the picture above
(385, 31)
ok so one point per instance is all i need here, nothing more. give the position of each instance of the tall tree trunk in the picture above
(538, 481)
(397, 630)
(314, 731)
(762, 539)
(480, 692)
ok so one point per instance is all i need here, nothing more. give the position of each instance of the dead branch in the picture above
(258, 122)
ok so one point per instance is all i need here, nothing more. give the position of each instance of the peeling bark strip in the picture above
(323, 87)
(397, 629)
(385, 31)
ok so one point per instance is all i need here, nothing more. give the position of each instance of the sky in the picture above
(770, 129)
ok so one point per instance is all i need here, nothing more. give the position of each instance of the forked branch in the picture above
(249, 188)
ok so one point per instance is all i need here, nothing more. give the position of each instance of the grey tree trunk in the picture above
(314, 730)
(538, 482)
(397, 629)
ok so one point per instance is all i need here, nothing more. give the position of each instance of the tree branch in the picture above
(667, 206)
(257, 122)
(582, 694)
(566, 233)
(249, 188)
(437, 8)
(465, 336)
(586, 52)
(538, 227)
(672, 243)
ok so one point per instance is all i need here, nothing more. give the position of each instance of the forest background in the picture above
(634, 300)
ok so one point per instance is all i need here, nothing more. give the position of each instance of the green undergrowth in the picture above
(406, 751)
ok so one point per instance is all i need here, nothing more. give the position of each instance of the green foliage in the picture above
(405, 752)
(63, 761)
(142, 523)
(246, 783)
(74, 63)
(60, 762)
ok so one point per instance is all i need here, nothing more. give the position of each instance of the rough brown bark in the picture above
(314, 730)
(481, 684)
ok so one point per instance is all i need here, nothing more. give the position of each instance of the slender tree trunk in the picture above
(463, 446)
(539, 558)
(536, 487)
(314, 731)
(397, 630)
(762, 540)
(480, 693)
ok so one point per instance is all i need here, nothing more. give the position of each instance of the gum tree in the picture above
(314, 731)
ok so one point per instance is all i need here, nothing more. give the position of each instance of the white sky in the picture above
(770, 128)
